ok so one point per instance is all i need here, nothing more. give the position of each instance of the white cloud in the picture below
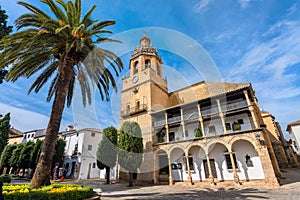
(201, 5)
(244, 3)
(272, 61)
(26, 120)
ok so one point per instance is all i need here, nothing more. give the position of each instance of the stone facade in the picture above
(230, 144)
(279, 144)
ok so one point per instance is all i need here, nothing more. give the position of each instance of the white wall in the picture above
(295, 137)
(241, 149)
(86, 157)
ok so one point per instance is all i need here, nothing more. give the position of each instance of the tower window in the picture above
(158, 69)
(147, 64)
(128, 109)
(137, 108)
(135, 68)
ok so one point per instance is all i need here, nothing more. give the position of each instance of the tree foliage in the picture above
(24, 157)
(6, 155)
(14, 160)
(4, 30)
(108, 150)
(59, 152)
(35, 153)
(68, 51)
(4, 131)
(130, 147)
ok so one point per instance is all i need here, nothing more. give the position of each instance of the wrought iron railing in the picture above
(134, 110)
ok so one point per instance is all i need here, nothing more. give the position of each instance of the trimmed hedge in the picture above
(5, 178)
(54, 191)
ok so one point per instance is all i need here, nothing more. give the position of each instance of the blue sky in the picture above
(253, 41)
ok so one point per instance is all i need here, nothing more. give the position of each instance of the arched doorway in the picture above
(196, 157)
(248, 161)
(163, 166)
(179, 171)
(217, 154)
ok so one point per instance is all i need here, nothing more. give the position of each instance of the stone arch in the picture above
(135, 67)
(242, 137)
(174, 147)
(147, 63)
(177, 157)
(212, 143)
(189, 146)
(217, 151)
(248, 160)
(196, 155)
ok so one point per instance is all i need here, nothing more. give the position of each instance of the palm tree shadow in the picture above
(200, 193)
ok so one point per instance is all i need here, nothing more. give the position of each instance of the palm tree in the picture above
(62, 48)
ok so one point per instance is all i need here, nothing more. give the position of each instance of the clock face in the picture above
(135, 79)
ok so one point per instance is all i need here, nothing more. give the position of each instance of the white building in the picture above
(294, 130)
(80, 154)
(34, 135)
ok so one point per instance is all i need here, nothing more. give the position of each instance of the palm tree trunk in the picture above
(43, 170)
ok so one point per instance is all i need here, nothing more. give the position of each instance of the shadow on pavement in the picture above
(201, 193)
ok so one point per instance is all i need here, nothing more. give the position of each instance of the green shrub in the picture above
(198, 132)
(54, 191)
(5, 178)
(236, 126)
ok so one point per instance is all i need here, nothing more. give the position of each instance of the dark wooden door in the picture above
(213, 168)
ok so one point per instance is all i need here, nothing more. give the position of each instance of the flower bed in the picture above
(54, 191)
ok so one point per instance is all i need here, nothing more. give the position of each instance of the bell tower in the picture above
(144, 91)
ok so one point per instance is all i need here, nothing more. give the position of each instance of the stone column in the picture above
(182, 124)
(170, 171)
(209, 170)
(250, 106)
(201, 120)
(188, 168)
(221, 116)
(155, 168)
(167, 127)
(235, 175)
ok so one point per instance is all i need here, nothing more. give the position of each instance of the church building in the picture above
(207, 132)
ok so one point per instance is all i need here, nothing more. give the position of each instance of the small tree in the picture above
(6, 155)
(34, 156)
(130, 148)
(107, 151)
(24, 157)
(14, 160)
(59, 152)
(4, 131)
(4, 30)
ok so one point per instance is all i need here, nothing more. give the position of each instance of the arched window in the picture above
(158, 69)
(147, 64)
(135, 67)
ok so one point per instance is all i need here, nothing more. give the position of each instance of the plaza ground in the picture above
(289, 189)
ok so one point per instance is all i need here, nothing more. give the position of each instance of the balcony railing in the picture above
(192, 115)
(204, 112)
(134, 110)
(159, 123)
(233, 106)
(174, 119)
(210, 111)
